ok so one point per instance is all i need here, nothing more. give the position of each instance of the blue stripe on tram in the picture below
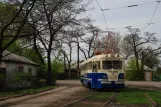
(100, 80)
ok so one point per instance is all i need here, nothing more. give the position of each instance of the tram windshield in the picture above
(112, 64)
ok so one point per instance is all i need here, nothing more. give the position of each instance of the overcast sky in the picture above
(120, 18)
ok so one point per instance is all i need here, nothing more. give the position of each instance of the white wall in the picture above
(11, 67)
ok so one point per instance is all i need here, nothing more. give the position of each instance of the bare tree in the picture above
(137, 45)
(111, 43)
(54, 16)
(88, 41)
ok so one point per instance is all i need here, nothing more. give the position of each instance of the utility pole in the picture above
(78, 58)
(64, 62)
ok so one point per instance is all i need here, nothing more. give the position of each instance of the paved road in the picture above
(127, 83)
(66, 92)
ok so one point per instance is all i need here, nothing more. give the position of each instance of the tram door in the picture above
(95, 76)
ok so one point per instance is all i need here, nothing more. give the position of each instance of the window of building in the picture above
(21, 68)
(30, 71)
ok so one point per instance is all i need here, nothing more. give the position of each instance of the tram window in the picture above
(117, 64)
(107, 64)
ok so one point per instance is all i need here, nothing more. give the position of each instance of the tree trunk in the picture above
(37, 50)
(69, 70)
(49, 70)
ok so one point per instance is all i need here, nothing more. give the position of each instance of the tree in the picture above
(12, 21)
(88, 51)
(137, 44)
(54, 15)
(131, 71)
(111, 43)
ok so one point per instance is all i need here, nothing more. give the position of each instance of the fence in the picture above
(157, 78)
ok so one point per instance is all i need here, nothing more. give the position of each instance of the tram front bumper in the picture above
(112, 84)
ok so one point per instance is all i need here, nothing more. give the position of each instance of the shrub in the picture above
(2, 76)
(131, 71)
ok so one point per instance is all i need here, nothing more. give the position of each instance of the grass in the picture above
(132, 96)
(156, 96)
(25, 91)
(129, 96)
(137, 96)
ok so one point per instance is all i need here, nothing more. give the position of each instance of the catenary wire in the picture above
(102, 13)
(148, 24)
(135, 5)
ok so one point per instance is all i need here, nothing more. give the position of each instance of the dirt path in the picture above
(50, 98)
(67, 91)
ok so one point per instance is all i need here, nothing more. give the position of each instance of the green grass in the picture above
(137, 96)
(156, 96)
(132, 96)
(25, 91)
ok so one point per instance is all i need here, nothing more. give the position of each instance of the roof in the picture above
(8, 56)
(102, 56)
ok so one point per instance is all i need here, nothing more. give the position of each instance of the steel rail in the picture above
(153, 104)
(70, 103)
(109, 99)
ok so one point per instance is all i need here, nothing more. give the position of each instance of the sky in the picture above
(137, 16)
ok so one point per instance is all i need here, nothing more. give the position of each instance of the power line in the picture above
(135, 5)
(152, 15)
(137, 25)
(102, 13)
(99, 5)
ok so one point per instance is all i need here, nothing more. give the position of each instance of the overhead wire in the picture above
(148, 24)
(136, 25)
(130, 6)
(102, 13)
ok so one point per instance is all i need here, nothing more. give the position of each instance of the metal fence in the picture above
(157, 78)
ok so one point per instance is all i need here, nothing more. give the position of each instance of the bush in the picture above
(132, 73)
(2, 77)
(41, 73)
(21, 79)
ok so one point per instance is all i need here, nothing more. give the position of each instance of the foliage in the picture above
(18, 78)
(57, 66)
(28, 52)
(158, 71)
(41, 73)
(2, 76)
(131, 71)
(13, 17)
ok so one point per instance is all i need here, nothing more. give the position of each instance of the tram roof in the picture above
(99, 57)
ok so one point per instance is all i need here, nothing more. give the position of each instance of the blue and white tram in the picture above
(103, 71)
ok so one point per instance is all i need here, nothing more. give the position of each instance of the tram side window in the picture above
(117, 64)
(107, 64)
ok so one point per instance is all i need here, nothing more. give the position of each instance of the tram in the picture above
(103, 71)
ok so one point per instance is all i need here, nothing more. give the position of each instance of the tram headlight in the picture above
(104, 77)
(121, 76)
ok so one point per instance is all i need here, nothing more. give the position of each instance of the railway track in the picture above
(83, 98)
(153, 104)
(75, 101)
(109, 100)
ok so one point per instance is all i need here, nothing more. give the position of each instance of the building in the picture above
(12, 63)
